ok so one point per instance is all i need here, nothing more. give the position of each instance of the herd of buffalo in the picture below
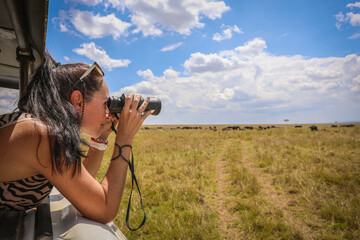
(231, 128)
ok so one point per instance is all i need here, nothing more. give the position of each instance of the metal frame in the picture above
(23, 25)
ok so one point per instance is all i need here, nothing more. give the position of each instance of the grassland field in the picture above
(279, 183)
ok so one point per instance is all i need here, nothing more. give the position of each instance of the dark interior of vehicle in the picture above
(23, 27)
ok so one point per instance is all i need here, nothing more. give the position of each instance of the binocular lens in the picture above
(116, 104)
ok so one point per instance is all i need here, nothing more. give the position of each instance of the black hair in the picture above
(48, 98)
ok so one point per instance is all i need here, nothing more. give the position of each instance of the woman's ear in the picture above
(76, 99)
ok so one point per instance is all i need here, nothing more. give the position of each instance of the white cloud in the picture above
(99, 55)
(355, 36)
(97, 26)
(87, 2)
(147, 74)
(199, 63)
(170, 73)
(352, 5)
(339, 18)
(150, 17)
(63, 28)
(8, 100)
(145, 26)
(252, 48)
(226, 33)
(171, 47)
(63, 23)
(118, 4)
(247, 82)
(356, 84)
(91, 25)
(353, 18)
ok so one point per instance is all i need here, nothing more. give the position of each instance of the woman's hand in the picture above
(107, 128)
(131, 119)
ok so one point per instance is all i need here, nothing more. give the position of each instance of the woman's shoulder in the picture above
(20, 142)
(18, 125)
(14, 117)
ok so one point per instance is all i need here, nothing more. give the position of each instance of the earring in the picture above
(82, 111)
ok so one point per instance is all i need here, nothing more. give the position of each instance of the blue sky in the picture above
(220, 62)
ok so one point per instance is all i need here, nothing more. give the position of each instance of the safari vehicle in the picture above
(23, 25)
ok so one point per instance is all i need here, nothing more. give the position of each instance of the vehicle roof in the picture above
(23, 24)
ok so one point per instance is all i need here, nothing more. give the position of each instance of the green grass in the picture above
(280, 183)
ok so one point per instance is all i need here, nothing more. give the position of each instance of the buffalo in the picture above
(313, 128)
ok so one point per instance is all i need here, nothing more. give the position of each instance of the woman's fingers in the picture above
(135, 103)
(128, 102)
(145, 115)
(115, 119)
(106, 129)
(144, 105)
(132, 117)
(132, 104)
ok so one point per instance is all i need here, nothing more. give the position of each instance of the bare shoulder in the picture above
(19, 146)
(26, 132)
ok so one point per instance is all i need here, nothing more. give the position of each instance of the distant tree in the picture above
(286, 120)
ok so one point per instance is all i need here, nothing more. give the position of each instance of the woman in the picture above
(40, 145)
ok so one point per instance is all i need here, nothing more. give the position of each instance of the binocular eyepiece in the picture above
(116, 104)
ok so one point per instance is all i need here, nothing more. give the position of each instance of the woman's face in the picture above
(96, 111)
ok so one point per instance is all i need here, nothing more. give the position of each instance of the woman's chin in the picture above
(93, 134)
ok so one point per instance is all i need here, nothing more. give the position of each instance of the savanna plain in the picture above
(280, 182)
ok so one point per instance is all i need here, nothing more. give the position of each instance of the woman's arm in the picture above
(98, 201)
(93, 159)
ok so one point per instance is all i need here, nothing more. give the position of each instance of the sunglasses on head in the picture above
(92, 67)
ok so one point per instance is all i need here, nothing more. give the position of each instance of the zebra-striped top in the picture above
(26, 193)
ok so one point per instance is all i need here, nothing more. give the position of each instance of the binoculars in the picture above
(116, 104)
